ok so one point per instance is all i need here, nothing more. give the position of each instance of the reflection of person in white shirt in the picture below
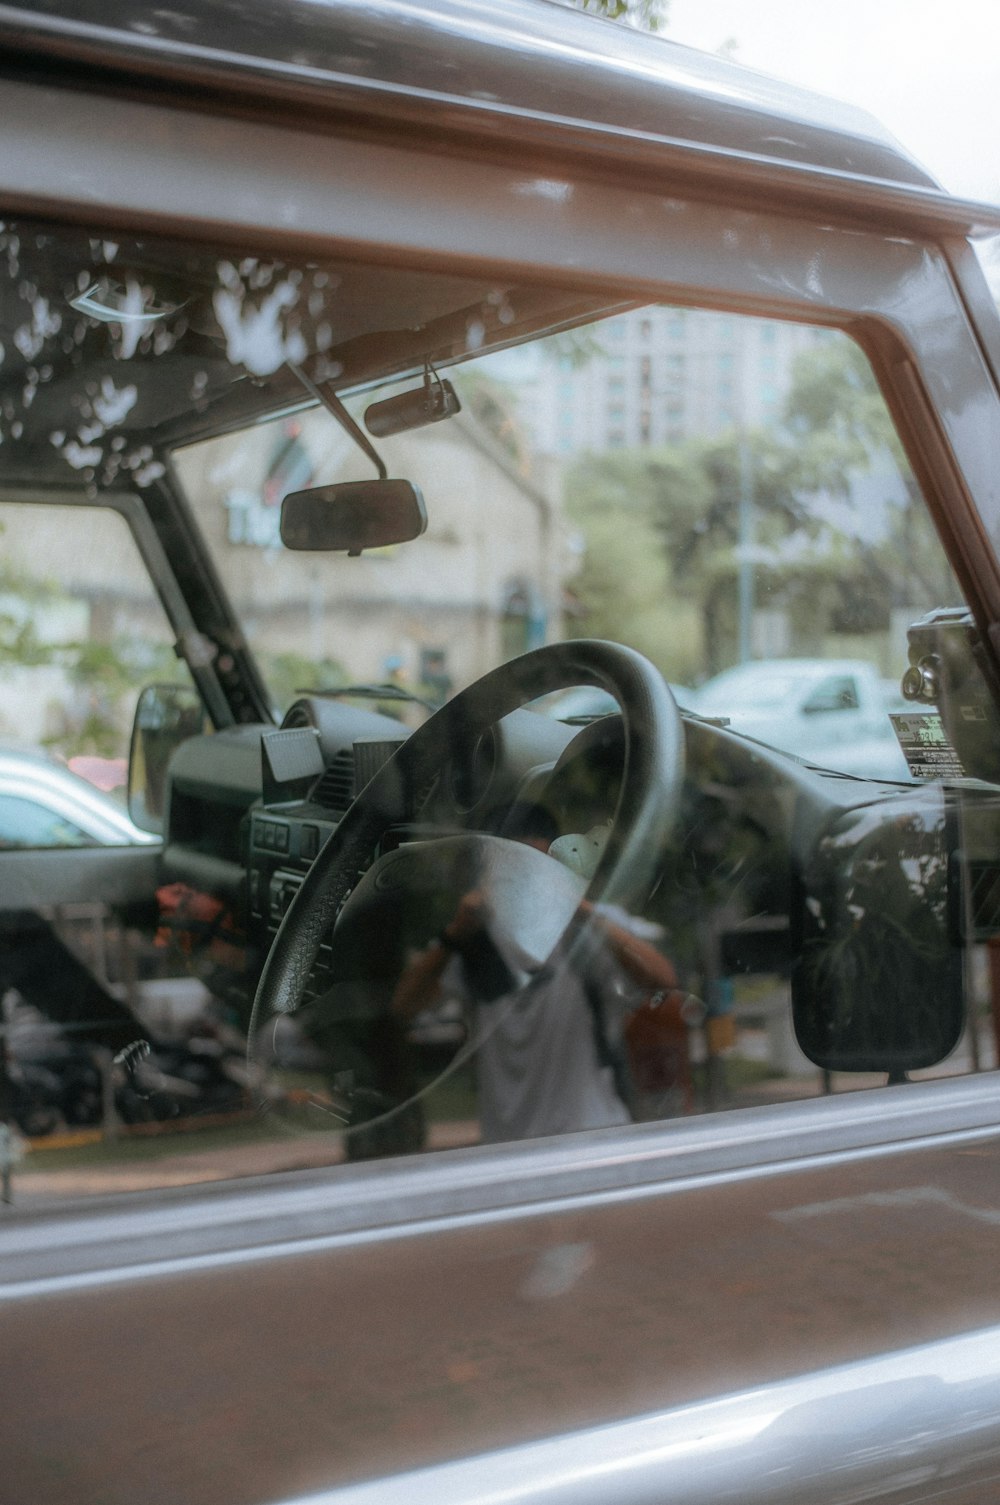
(548, 1048)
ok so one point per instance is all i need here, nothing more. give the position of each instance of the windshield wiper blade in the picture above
(371, 692)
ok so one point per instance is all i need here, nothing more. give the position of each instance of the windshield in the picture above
(714, 490)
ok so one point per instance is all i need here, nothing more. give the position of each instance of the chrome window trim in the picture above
(221, 1224)
(856, 1432)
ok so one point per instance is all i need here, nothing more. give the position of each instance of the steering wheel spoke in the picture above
(405, 897)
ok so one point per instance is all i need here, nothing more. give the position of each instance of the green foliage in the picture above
(838, 416)
(662, 527)
(649, 15)
(102, 678)
(573, 348)
(836, 409)
(678, 510)
(20, 595)
(108, 677)
(288, 674)
(19, 641)
(624, 585)
(493, 404)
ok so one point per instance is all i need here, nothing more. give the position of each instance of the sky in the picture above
(929, 70)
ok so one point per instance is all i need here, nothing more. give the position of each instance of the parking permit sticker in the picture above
(926, 747)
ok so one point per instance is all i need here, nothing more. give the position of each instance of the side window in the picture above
(81, 631)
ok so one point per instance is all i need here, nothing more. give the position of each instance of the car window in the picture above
(81, 631)
(544, 923)
(25, 823)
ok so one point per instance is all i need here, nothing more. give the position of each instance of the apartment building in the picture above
(661, 375)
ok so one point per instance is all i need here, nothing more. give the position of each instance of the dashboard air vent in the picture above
(334, 789)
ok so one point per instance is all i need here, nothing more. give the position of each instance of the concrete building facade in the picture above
(660, 375)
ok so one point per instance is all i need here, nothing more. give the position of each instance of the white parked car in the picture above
(834, 712)
(581, 702)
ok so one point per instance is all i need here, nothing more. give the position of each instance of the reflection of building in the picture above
(483, 583)
(662, 375)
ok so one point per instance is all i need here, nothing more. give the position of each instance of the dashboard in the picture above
(770, 864)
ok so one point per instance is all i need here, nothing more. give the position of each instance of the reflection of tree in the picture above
(879, 982)
(493, 403)
(102, 676)
(837, 411)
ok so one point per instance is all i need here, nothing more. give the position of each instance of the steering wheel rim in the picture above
(646, 809)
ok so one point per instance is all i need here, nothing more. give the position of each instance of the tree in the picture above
(648, 15)
(684, 501)
(100, 678)
(843, 428)
(20, 594)
(624, 587)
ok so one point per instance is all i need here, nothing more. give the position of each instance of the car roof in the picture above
(516, 71)
(521, 54)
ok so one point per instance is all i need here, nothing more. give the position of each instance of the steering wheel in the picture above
(647, 804)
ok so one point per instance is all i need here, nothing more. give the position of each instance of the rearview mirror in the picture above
(353, 515)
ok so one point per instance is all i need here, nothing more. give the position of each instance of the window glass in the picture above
(81, 631)
(25, 823)
(768, 553)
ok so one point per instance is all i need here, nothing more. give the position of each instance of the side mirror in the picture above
(165, 716)
(353, 515)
